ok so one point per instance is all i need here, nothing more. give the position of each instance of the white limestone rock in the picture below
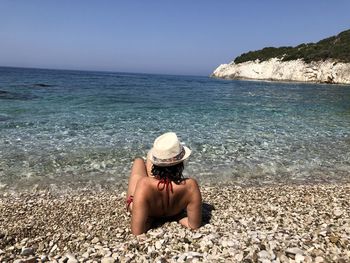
(275, 69)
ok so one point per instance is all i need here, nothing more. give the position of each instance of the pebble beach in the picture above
(279, 223)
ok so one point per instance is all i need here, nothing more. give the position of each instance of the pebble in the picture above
(24, 241)
(319, 259)
(107, 260)
(238, 257)
(337, 212)
(197, 235)
(294, 251)
(115, 256)
(231, 243)
(31, 259)
(44, 258)
(71, 258)
(95, 240)
(264, 254)
(53, 249)
(27, 251)
(251, 224)
(158, 245)
(299, 258)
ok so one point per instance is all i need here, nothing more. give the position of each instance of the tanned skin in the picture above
(150, 203)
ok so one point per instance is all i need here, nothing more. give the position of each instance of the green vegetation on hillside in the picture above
(335, 47)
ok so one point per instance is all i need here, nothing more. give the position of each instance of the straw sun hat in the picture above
(167, 150)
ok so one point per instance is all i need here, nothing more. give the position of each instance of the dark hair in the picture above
(173, 173)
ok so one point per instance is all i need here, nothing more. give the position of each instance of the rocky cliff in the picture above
(328, 71)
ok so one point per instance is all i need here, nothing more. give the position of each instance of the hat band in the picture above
(172, 159)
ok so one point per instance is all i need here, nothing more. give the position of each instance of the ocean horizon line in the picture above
(104, 71)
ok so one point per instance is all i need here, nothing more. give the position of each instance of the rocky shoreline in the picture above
(280, 223)
(275, 69)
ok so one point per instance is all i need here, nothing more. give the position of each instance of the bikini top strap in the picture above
(165, 183)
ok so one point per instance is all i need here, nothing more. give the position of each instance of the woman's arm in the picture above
(194, 207)
(140, 221)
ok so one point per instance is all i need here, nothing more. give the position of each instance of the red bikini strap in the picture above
(165, 183)
(128, 201)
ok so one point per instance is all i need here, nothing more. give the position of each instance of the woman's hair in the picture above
(174, 172)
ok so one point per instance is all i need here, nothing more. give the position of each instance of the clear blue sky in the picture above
(169, 37)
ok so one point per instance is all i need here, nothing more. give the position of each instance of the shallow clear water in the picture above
(77, 129)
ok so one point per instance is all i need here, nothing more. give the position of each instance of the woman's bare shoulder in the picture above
(144, 184)
(191, 183)
(193, 192)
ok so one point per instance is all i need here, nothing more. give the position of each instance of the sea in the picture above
(62, 129)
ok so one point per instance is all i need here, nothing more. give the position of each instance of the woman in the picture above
(157, 189)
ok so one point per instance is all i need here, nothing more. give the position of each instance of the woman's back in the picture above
(165, 199)
(149, 203)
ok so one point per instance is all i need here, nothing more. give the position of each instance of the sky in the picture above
(182, 37)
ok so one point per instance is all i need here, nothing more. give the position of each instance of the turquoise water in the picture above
(78, 129)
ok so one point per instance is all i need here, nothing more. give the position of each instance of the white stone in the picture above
(158, 245)
(294, 70)
(299, 258)
(150, 249)
(323, 233)
(115, 256)
(24, 241)
(337, 212)
(107, 260)
(230, 243)
(197, 236)
(294, 251)
(193, 254)
(181, 258)
(53, 248)
(263, 254)
(71, 258)
(319, 259)
(44, 258)
(95, 240)
(239, 257)
(159, 232)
